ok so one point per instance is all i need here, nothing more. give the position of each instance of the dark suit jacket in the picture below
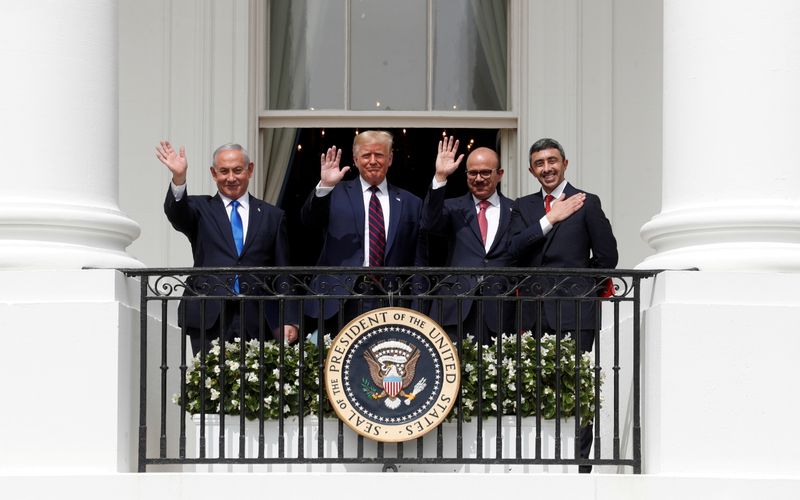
(456, 220)
(340, 215)
(205, 222)
(584, 240)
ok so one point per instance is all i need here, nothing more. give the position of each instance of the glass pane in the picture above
(388, 65)
(469, 70)
(306, 49)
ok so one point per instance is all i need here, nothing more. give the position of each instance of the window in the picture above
(389, 64)
(381, 55)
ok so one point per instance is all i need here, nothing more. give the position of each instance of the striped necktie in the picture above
(377, 233)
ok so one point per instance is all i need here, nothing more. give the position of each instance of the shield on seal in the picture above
(392, 385)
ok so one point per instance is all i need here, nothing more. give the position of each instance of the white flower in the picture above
(493, 386)
(235, 402)
(268, 400)
(215, 350)
(176, 399)
(217, 369)
(469, 368)
(494, 406)
(252, 377)
(214, 394)
(209, 381)
(512, 386)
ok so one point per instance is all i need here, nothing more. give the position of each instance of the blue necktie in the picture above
(238, 236)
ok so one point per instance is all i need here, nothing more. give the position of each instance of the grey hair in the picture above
(546, 143)
(231, 146)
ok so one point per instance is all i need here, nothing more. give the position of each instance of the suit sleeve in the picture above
(315, 210)
(433, 219)
(603, 243)
(526, 235)
(180, 214)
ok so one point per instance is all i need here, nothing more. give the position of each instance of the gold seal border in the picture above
(425, 326)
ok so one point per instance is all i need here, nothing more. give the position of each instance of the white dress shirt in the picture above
(244, 205)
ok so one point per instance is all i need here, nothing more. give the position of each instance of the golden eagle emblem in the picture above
(392, 364)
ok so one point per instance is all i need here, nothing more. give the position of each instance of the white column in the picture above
(58, 121)
(731, 161)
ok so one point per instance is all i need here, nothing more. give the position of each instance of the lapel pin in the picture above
(259, 209)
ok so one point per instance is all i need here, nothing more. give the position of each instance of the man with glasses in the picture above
(476, 229)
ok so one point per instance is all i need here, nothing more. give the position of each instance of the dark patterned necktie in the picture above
(377, 234)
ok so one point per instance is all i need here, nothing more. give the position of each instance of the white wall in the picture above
(183, 76)
(592, 81)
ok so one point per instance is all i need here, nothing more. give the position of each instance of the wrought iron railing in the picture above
(281, 387)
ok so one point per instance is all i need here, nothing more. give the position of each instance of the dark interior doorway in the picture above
(414, 155)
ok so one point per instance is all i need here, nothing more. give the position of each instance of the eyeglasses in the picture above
(483, 173)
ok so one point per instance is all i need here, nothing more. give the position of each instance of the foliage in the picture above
(501, 381)
(241, 380)
(558, 375)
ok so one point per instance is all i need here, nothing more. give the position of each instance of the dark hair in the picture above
(546, 143)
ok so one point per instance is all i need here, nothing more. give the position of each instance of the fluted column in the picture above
(731, 161)
(58, 123)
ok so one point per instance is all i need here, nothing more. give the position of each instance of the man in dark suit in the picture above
(476, 230)
(562, 227)
(229, 229)
(365, 221)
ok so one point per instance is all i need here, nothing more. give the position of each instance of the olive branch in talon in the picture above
(370, 390)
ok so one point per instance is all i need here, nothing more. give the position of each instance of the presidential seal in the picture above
(392, 374)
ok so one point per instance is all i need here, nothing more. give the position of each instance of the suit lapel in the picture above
(470, 216)
(220, 217)
(356, 198)
(502, 225)
(256, 216)
(395, 214)
(535, 206)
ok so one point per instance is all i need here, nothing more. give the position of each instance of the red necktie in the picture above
(483, 224)
(377, 235)
(547, 200)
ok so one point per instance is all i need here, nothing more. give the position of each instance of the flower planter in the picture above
(350, 445)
